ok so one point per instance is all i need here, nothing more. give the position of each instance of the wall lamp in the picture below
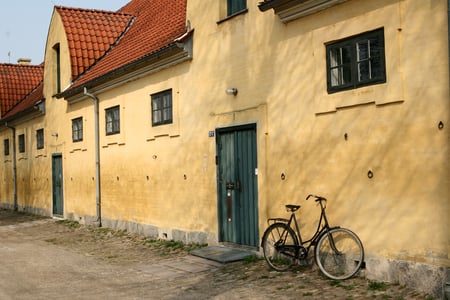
(231, 91)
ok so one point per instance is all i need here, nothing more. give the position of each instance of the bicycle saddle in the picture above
(291, 207)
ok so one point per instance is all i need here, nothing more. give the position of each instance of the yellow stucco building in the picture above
(202, 122)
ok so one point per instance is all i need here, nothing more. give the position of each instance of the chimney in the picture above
(24, 61)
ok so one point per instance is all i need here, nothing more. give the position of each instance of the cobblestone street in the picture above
(42, 258)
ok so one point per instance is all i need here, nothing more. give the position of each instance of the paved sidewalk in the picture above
(44, 259)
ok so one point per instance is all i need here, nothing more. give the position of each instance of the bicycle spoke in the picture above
(279, 246)
(339, 254)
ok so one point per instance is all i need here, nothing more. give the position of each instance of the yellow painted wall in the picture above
(6, 171)
(33, 175)
(166, 176)
(279, 70)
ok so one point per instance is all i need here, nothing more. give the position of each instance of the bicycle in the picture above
(338, 252)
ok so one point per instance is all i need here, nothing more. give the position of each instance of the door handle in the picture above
(238, 185)
(229, 206)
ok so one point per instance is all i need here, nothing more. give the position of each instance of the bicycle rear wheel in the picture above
(339, 253)
(280, 246)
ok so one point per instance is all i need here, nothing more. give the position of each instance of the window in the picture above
(21, 143)
(112, 116)
(77, 129)
(58, 67)
(6, 146)
(40, 139)
(235, 6)
(356, 61)
(162, 108)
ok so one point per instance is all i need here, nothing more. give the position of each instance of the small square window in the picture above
(6, 146)
(235, 6)
(40, 139)
(21, 143)
(77, 129)
(112, 117)
(356, 61)
(162, 108)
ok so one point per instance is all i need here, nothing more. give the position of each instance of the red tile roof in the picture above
(26, 104)
(90, 34)
(100, 42)
(16, 83)
(156, 24)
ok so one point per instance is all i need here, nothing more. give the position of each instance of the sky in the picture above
(24, 25)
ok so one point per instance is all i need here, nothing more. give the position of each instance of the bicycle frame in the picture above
(322, 228)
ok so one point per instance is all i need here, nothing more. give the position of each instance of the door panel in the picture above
(57, 185)
(237, 185)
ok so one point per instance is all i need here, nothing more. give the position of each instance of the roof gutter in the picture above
(98, 201)
(14, 163)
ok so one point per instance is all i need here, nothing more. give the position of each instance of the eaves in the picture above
(25, 115)
(175, 53)
(289, 10)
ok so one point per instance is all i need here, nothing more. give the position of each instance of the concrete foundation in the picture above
(422, 277)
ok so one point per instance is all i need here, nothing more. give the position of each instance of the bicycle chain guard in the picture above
(302, 252)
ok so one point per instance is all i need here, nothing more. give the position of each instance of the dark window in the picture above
(162, 108)
(77, 129)
(356, 61)
(6, 144)
(58, 67)
(40, 139)
(112, 116)
(21, 143)
(235, 6)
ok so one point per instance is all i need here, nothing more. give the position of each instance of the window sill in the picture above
(244, 11)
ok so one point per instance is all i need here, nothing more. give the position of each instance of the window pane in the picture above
(156, 103)
(346, 53)
(364, 71)
(362, 50)
(157, 117)
(167, 114)
(336, 57)
(340, 61)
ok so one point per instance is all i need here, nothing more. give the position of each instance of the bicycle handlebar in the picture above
(318, 198)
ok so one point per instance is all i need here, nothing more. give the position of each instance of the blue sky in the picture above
(24, 25)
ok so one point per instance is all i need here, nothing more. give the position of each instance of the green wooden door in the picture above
(57, 185)
(237, 185)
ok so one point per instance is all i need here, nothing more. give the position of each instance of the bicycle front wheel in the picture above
(280, 246)
(339, 253)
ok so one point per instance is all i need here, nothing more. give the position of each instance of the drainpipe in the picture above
(14, 163)
(97, 158)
